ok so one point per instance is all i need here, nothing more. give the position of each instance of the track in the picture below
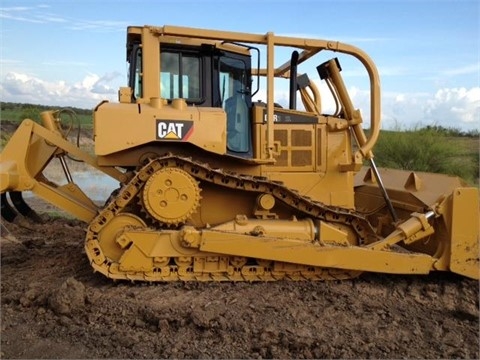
(116, 216)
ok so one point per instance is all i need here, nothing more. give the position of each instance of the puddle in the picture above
(95, 184)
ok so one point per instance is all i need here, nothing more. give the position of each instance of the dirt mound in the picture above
(54, 306)
(68, 298)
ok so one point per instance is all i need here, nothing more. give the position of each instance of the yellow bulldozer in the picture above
(214, 186)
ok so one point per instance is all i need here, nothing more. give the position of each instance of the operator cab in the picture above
(206, 76)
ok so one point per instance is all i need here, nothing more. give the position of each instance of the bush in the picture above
(428, 150)
(18, 112)
(30, 112)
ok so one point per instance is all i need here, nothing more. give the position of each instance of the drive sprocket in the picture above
(171, 196)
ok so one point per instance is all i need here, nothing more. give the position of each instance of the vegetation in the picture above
(430, 149)
(17, 112)
(453, 132)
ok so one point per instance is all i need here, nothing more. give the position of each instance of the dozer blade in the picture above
(464, 234)
(8, 213)
(454, 242)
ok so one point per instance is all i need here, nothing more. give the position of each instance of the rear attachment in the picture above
(8, 212)
(24, 159)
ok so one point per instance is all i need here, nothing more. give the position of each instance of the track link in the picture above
(181, 268)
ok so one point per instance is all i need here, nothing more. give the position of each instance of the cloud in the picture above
(19, 13)
(458, 105)
(38, 14)
(103, 84)
(457, 108)
(99, 25)
(17, 87)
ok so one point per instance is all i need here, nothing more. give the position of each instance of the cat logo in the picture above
(174, 130)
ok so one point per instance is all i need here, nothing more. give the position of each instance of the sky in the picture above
(72, 53)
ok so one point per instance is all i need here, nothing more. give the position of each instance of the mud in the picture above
(54, 306)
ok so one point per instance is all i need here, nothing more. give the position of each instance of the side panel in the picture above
(119, 127)
(310, 155)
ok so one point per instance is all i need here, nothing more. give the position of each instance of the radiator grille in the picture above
(296, 147)
(301, 138)
(301, 157)
(282, 136)
(282, 159)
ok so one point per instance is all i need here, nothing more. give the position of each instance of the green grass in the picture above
(18, 112)
(9, 114)
(429, 150)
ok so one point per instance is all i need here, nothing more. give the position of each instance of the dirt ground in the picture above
(54, 306)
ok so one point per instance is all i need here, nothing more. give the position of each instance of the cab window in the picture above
(233, 78)
(137, 87)
(235, 96)
(180, 76)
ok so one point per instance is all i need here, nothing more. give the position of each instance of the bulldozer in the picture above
(216, 186)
